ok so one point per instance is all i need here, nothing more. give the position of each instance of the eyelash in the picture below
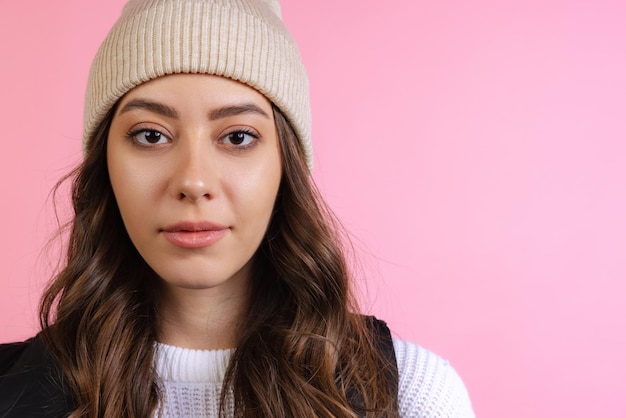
(132, 136)
(245, 131)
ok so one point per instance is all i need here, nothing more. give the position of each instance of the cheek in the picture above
(268, 178)
(134, 188)
(253, 192)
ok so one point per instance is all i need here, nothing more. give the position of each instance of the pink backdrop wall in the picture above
(476, 150)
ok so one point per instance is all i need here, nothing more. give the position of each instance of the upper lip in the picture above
(189, 226)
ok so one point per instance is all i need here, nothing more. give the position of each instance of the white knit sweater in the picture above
(428, 388)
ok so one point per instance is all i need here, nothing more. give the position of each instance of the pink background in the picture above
(476, 151)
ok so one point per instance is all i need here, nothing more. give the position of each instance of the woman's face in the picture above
(195, 166)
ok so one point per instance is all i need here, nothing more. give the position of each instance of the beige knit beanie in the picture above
(244, 40)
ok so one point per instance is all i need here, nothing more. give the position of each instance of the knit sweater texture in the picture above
(429, 387)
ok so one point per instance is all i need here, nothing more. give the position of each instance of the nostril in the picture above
(192, 196)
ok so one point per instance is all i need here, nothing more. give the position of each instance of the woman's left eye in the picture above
(147, 137)
(241, 139)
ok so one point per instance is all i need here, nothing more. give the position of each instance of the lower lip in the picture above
(194, 239)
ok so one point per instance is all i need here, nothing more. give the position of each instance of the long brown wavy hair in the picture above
(303, 351)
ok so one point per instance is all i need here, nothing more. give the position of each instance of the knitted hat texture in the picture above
(244, 40)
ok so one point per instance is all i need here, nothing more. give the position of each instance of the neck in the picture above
(202, 319)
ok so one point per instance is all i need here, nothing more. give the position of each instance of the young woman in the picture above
(204, 276)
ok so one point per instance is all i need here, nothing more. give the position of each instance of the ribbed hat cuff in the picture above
(200, 37)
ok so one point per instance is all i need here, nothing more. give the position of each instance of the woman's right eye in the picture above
(148, 137)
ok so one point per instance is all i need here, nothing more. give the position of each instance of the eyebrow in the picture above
(170, 112)
(151, 106)
(234, 110)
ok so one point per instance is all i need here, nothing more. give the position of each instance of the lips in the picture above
(194, 234)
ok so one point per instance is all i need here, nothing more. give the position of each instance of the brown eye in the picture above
(237, 138)
(241, 139)
(147, 137)
(152, 136)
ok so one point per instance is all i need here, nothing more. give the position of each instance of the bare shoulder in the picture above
(429, 387)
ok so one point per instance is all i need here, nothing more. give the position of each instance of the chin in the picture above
(202, 279)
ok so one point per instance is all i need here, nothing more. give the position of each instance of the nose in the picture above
(195, 170)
